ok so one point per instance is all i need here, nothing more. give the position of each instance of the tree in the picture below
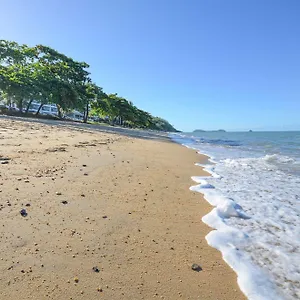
(65, 79)
(44, 74)
(16, 73)
(93, 97)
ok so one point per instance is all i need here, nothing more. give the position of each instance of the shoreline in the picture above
(254, 281)
(118, 204)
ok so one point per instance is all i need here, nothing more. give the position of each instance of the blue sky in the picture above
(232, 64)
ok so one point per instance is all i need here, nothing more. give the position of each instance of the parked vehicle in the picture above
(74, 115)
(47, 109)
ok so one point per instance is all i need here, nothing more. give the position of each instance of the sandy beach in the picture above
(106, 216)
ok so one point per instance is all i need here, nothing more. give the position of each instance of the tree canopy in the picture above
(45, 75)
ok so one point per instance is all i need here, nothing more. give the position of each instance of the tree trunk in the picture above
(39, 109)
(86, 113)
(59, 111)
(20, 105)
(28, 106)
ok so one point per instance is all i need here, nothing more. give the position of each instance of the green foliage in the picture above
(43, 74)
(162, 125)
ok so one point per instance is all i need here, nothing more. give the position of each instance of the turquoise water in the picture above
(255, 191)
(285, 145)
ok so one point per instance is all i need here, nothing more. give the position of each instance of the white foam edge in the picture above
(253, 282)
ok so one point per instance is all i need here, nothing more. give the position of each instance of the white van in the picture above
(47, 109)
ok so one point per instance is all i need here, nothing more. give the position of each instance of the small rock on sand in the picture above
(96, 269)
(4, 160)
(23, 212)
(196, 267)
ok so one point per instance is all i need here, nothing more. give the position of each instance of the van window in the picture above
(46, 108)
(34, 106)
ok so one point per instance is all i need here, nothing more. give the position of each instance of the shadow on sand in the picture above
(134, 133)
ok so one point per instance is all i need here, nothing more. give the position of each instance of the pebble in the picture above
(64, 202)
(96, 269)
(196, 267)
(4, 158)
(23, 212)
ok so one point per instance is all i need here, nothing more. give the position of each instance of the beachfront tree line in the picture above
(42, 74)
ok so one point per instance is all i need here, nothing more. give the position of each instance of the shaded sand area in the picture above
(106, 216)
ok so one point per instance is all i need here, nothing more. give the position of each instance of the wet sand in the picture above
(108, 217)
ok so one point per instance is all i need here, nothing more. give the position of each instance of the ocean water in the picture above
(255, 190)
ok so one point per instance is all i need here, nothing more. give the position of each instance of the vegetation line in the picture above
(40, 74)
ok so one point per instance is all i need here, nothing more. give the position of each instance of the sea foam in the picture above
(256, 221)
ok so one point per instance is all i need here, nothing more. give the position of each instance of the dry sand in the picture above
(113, 202)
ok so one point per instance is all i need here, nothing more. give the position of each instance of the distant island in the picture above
(201, 130)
